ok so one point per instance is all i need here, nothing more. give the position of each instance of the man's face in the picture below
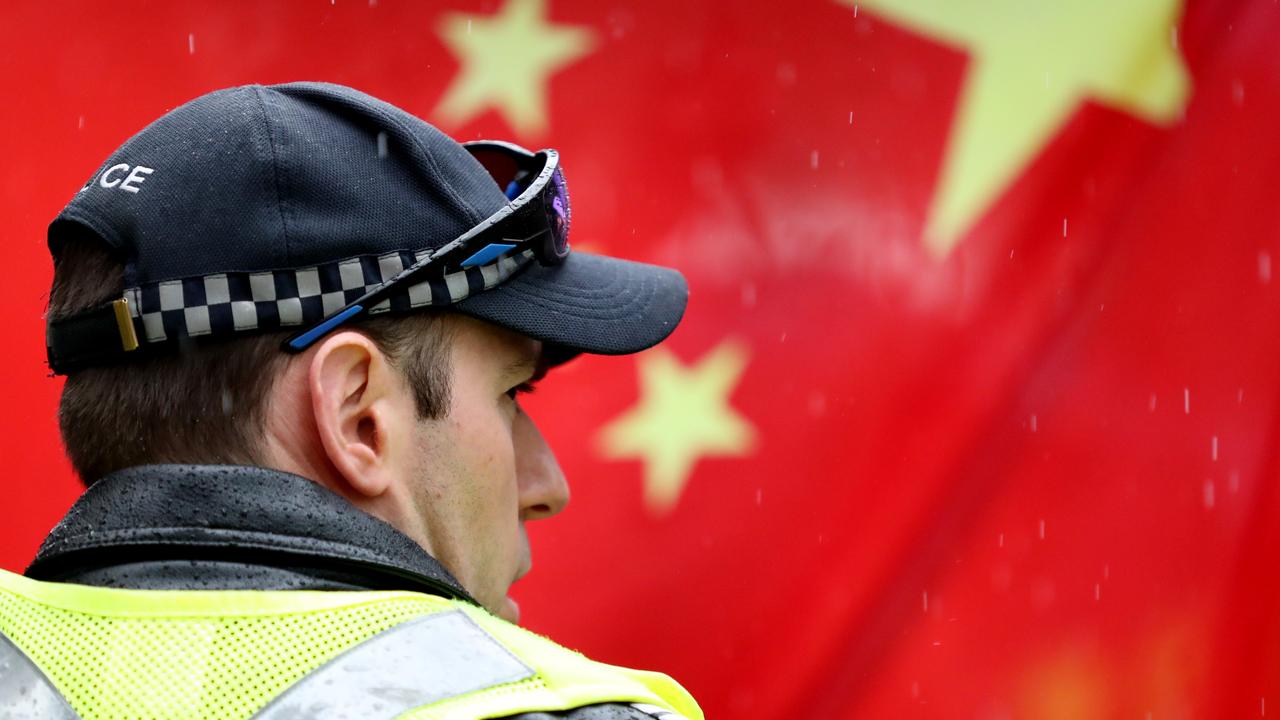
(484, 469)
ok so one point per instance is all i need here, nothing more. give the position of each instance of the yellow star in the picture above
(683, 414)
(1031, 64)
(506, 61)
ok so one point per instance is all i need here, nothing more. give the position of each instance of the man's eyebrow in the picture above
(529, 365)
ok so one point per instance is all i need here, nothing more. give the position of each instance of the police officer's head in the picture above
(306, 278)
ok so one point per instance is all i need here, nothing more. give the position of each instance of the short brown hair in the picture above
(204, 402)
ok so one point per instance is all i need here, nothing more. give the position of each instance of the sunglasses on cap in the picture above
(536, 218)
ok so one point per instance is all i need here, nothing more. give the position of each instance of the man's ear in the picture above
(353, 390)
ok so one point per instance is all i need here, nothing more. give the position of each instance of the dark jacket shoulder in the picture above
(223, 527)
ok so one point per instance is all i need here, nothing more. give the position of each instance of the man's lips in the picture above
(510, 609)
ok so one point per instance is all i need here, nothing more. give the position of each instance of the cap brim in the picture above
(589, 304)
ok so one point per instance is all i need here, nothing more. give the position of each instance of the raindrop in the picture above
(813, 159)
(80, 123)
(759, 497)
(1152, 404)
(382, 144)
(1213, 448)
(1064, 227)
(191, 43)
(1043, 594)
(1106, 572)
(1000, 541)
(1239, 396)
(1233, 482)
(1208, 495)
(228, 404)
(850, 117)
(786, 74)
(915, 686)
(1237, 92)
(373, 3)
(1186, 400)
(1041, 528)
(817, 404)
(855, 11)
(926, 601)
(1264, 266)
(1173, 37)
(1033, 422)
(1097, 591)
(468, 26)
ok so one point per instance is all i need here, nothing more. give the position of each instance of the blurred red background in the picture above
(974, 411)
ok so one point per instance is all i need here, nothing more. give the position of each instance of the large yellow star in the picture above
(507, 60)
(1031, 65)
(683, 414)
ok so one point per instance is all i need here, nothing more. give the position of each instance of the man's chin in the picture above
(508, 610)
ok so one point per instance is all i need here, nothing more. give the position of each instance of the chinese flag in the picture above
(974, 412)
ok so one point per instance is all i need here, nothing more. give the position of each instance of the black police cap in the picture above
(263, 208)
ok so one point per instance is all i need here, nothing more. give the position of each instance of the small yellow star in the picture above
(1031, 65)
(683, 414)
(507, 60)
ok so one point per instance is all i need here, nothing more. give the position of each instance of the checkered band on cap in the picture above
(227, 303)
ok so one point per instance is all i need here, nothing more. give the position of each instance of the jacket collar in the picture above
(184, 516)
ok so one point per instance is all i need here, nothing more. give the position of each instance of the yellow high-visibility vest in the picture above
(75, 651)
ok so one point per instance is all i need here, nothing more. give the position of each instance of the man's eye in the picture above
(521, 389)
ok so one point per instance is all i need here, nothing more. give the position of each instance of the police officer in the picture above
(295, 323)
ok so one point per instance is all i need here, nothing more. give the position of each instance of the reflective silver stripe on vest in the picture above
(25, 692)
(412, 664)
(657, 712)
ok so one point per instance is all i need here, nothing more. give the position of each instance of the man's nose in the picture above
(542, 485)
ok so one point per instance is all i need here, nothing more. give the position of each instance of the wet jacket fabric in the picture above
(204, 527)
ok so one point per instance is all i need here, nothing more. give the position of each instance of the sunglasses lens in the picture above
(503, 166)
(556, 205)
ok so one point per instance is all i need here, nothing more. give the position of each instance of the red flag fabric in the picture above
(974, 411)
